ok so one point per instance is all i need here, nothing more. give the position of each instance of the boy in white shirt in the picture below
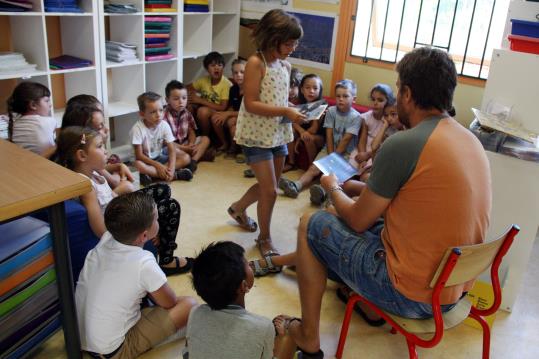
(153, 142)
(117, 274)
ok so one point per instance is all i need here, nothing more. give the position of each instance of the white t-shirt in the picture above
(151, 139)
(111, 285)
(34, 132)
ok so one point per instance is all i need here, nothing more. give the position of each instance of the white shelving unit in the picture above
(193, 35)
(39, 36)
(116, 85)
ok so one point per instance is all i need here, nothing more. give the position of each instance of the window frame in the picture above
(348, 17)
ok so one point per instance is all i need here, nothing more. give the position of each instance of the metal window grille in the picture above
(468, 29)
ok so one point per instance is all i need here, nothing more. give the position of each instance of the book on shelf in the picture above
(503, 125)
(336, 164)
(159, 57)
(313, 110)
(68, 62)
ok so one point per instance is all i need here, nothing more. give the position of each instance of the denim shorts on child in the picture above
(163, 157)
(358, 259)
(258, 154)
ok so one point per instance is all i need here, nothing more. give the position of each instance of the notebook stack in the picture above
(121, 52)
(15, 5)
(4, 125)
(14, 62)
(156, 38)
(29, 306)
(62, 6)
(196, 6)
(158, 6)
(114, 8)
(68, 62)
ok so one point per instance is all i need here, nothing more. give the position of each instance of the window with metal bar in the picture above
(468, 29)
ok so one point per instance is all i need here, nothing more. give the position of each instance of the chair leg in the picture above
(346, 324)
(486, 334)
(412, 353)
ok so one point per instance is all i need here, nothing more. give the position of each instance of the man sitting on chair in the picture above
(431, 184)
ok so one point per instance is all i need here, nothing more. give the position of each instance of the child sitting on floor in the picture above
(223, 328)
(308, 137)
(183, 125)
(30, 123)
(380, 95)
(342, 125)
(87, 111)
(293, 91)
(228, 118)
(82, 150)
(209, 93)
(156, 156)
(116, 276)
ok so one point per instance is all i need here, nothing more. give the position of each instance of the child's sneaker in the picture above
(318, 195)
(184, 174)
(289, 188)
(145, 180)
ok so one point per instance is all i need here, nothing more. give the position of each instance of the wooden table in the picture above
(29, 182)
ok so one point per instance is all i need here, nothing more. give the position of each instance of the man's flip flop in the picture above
(358, 310)
(243, 220)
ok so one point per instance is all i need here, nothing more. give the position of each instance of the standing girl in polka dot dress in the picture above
(261, 130)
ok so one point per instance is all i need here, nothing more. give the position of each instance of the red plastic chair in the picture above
(458, 265)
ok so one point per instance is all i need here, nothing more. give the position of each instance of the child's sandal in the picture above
(260, 271)
(268, 253)
(243, 220)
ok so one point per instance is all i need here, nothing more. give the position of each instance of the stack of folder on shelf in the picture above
(62, 6)
(158, 6)
(196, 6)
(116, 8)
(68, 62)
(14, 62)
(4, 124)
(120, 52)
(15, 5)
(156, 38)
(29, 306)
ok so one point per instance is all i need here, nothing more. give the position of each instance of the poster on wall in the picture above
(317, 46)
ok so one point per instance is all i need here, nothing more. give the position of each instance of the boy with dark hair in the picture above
(222, 328)
(183, 125)
(114, 325)
(149, 137)
(209, 93)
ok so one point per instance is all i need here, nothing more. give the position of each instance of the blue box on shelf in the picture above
(525, 28)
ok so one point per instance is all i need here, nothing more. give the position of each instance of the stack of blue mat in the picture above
(62, 6)
(29, 306)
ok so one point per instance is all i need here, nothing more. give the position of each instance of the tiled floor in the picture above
(204, 219)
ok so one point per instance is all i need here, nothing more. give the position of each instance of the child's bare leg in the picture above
(201, 147)
(308, 177)
(353, 188)
(203, 119)
(125, 186)
(313, 147)
(146, 169)
(284, 347)
(219, 130)
(179, 313)
(182, 158)
(231, 123)
(267, 174)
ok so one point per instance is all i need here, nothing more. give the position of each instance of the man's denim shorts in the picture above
(258, 154)
(358, 260)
